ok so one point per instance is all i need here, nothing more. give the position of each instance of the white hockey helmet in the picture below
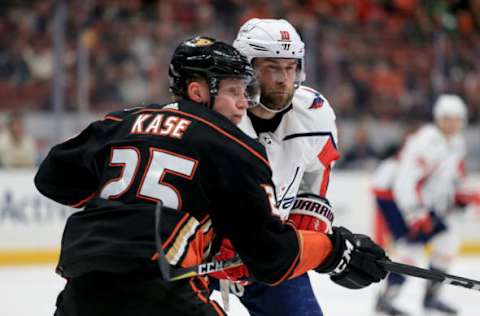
(271, 38)
(449, 105)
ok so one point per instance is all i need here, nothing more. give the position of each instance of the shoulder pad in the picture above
(309, 98)
(121, 114)
(313, 103)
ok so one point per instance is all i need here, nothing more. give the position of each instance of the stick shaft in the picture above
(172, 273)
(438, 276)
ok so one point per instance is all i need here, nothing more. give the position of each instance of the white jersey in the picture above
(426, 173)
(302, 148)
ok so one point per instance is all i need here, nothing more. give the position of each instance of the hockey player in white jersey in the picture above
(416, 194)
(296, 125)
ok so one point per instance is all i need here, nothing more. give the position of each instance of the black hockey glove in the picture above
(352, 263)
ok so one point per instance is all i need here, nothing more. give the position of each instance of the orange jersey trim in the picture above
(315, 247)
(202, 297)
(113, 118)
(215, 127)
(85, 200)
(295, 262)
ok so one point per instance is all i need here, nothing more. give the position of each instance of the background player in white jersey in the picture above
(297, 127)
(416, 194)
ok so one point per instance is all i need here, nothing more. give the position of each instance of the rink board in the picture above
(31, 225)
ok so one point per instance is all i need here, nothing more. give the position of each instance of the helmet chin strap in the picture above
(212, 90)
(266, 108)
(212, 101)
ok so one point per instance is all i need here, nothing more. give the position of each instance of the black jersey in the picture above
(214, 180)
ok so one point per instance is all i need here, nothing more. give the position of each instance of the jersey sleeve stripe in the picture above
(325, 181)
(198, 246)
(328, 154)
(179, 247)
(175, 231)
(312, 134)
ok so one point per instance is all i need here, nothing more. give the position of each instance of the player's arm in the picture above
(317, 174)
(414, 167)
(244, 212)
(68, 173)
(271, 250)
(351, 262)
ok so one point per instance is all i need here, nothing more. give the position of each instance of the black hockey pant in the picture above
(134, 294)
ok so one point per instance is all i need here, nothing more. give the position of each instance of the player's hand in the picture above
(353, 262)
(312, 212)
(465, 197)
(227, 252)
(420, 224)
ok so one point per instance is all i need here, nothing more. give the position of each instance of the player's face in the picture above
(230, 100)
(277, 78)
(450, 125)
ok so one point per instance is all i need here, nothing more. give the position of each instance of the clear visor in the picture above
(244, 89)
(277, 74)
(252, 92)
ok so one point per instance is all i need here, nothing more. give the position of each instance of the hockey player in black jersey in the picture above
(214, 181)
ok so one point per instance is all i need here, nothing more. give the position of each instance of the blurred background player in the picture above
(296, 125)
(416, 194)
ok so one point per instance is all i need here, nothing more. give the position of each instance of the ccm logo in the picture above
(210, 267)
(346, 257)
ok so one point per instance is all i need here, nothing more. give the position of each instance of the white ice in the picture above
(32, 290)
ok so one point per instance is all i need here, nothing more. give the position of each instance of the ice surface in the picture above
(32, 290)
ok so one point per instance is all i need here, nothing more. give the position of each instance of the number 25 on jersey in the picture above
(152, 186)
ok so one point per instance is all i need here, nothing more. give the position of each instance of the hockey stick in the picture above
(427, 274)
(171, 273)
(162, 261)
(391, 266)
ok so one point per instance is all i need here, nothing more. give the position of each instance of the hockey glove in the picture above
(353, 262)
(464, 198)
(227, 252)
(312, 212)
(422, 226)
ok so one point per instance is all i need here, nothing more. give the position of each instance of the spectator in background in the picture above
(17, 149)
(361, 154)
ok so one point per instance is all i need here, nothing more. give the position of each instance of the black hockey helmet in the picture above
(212, 60)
